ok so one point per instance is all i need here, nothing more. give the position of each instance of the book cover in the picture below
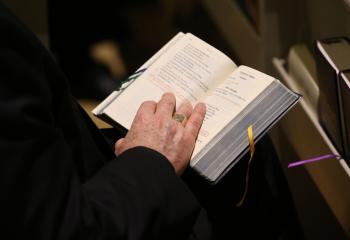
(332, 58)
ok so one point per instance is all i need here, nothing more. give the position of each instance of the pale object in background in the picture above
(107, 52)
(302, 68)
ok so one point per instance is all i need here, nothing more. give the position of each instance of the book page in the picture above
(189, 69)
(229, 99)
(112, 96)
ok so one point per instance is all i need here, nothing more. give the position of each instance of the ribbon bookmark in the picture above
(252, 149)
(302, 162)
(251, 141)
(130, 79)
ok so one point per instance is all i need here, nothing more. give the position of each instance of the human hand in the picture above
(155, 128)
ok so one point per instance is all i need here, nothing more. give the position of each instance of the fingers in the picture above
(147, 108)
(183, 112)
(166, 105)
(185, 108)
(154, 128)
(194, 122)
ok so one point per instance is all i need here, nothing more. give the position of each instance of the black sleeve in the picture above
(136, 196)
(156, 203)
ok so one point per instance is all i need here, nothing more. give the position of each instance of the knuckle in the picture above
(196, 123)
(173, 128)
(167, 124)
(162, 122)
(141, 118)
(160, 119)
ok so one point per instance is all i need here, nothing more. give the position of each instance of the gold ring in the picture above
(179, 117)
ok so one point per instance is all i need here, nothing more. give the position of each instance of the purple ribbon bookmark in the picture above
(302, 162)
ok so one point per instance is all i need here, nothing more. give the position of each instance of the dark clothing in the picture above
(59, 177)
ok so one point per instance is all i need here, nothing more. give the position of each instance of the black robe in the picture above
(59, 177)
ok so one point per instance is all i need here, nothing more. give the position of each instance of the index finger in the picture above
(195, 121)
(147, 108)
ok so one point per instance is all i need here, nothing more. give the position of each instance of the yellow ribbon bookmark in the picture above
(252, 149)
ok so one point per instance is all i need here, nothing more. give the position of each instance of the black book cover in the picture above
(333, 56)
(344, 83)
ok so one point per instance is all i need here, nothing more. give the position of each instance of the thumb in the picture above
(118, 146)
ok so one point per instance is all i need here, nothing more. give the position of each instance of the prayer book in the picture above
(332, 57)
(236, 98)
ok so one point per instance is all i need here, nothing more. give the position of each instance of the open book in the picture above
(235, 97)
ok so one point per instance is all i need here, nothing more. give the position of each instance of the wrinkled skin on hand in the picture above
(155, 128)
